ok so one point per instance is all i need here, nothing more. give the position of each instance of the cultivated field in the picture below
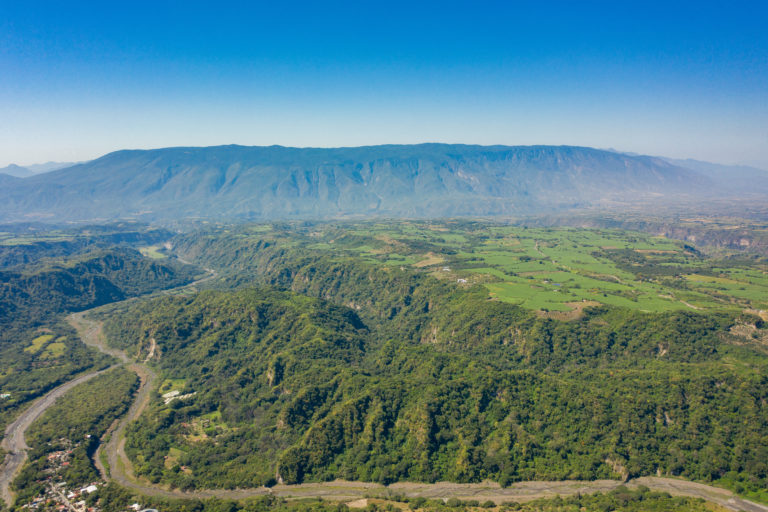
(562, 269)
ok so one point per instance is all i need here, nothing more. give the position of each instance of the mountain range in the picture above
(736, 178)
(425, 180)
(18, 171)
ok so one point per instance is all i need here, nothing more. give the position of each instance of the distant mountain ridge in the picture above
(729, 177)
(15, 171)
(424, 180)
(19, 171)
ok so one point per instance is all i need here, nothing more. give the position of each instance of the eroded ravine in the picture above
(120, 468)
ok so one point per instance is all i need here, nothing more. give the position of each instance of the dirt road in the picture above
(91, 333)
(120, 468)
(14, 442)
(520, 492)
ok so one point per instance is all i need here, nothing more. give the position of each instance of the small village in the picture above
(62, 496)
(58, 494)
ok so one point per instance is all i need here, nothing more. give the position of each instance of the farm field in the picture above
(326, 350)
(559, 269)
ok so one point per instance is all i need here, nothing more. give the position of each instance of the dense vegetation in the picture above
(620, 499)
(410, 377)
(403, 352)
(24, 244)
(38, 350)
(43, 289)
(72, 427)
(39, 360)
(555, 271)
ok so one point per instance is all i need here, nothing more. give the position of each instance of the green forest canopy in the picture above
(392, 373)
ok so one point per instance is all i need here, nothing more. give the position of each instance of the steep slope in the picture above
(66, 243)
(278, 385)
(31, 294)
(280, 182)
(8, 180)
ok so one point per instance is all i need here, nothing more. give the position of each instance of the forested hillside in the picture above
(38, 350)
(65, 437)
(86, 281)
(411, 377)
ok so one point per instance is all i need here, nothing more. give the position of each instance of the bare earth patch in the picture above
(429, 260)
(758, 312)
(575, 313)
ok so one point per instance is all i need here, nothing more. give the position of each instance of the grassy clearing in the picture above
(401, 259)
(38, 343)
(153, 252)
(429, 260)
(172, 459)
(206, 426)
(169, 385)
(54, 350)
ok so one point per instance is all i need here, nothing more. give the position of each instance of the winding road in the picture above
(15, 443)
(120, 469)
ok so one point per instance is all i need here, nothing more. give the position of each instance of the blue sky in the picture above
(681, 79)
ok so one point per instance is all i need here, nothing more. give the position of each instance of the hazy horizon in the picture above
(680, 81)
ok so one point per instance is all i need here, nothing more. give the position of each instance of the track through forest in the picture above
(120, 468)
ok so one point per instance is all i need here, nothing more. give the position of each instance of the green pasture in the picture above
(38, 343)
(54, 350)
(169, 385)
(153, 252)
(547, 268)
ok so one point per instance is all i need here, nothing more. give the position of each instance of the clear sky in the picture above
(680, 79)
